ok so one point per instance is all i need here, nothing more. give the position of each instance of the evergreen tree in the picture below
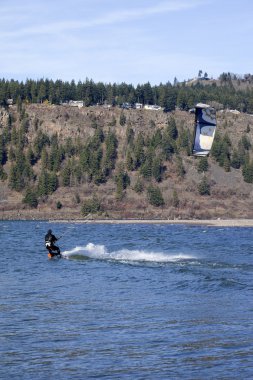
(129, 161)
(129, 136)
(52, 182)
(66, 176)
(138, 187)
(157, 169)
(171, 129)
(122, 180)
(111, 144)
(139, 151)
(58, 205)
(221, 149)
(226, 164)
(14, 136)
(85, 158)
(43, 183)
(245, 142)
(122, 119)
(16, 180)
(44, 158)
(146, 167)
(184, 141)
(30, 198)
(91, 206)
(3, 153)
(47, 184)
(204, 187)
(203, 165)
(41, 141)
(247, 172)
(155, 197)
(30, 157)
(156, 139)
(235, 160)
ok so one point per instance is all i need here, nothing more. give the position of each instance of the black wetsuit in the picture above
(50, 239)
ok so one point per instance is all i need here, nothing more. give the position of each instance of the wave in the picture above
(100, 252)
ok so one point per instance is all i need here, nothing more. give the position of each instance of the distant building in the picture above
(76, 103)
(152, 107)
(73, 103)
(138, 106)
(126, 106)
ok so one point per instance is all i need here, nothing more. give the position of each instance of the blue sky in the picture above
(133, 41)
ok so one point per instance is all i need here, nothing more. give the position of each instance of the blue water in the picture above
(127, 302)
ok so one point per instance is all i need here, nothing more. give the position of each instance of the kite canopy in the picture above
(205, 126)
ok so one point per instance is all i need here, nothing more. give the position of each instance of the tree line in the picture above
(226, 92)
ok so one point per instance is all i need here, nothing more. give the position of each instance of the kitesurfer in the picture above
(50, 240)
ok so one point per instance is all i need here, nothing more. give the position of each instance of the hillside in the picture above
(113, 161)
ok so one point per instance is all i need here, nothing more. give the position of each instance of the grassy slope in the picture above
(230, 196)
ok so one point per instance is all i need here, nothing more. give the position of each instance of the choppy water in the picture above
(128, 302)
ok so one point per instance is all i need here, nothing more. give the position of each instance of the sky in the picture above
(133, 41)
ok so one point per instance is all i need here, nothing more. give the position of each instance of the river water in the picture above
(132, 301)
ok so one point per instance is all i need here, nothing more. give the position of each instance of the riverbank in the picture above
(30, 215)
(215, 223)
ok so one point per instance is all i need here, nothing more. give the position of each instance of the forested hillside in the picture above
(63, 162)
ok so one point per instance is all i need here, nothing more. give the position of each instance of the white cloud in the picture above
(107, 18)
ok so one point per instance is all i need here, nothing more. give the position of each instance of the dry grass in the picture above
(230, 196)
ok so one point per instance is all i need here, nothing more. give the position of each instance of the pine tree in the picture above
(157, 169)
(3, 153)
(155, 197)
(129, 161)
(139, 151)
(203, 165)
(66, 176)
(91, 206)
(122, 181)
(156, 139)
(146, 167)
(204, 187)
(30, 198)
(30, 157)
(247, 172)
(122, 119)
(138, 187)
(43, 188)
(129, 136)
(171, 129)
(52, 183)
(235, 160)
(16, 181)
(111, 144)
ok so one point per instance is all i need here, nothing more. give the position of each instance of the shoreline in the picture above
(196, 222)
(193, 222)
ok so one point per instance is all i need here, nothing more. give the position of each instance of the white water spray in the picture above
(100, 252)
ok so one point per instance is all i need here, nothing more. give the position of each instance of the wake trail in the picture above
(100, 252)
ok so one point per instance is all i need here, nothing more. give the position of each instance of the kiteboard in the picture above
(53, 256)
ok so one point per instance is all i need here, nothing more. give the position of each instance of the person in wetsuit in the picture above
(50, 240)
